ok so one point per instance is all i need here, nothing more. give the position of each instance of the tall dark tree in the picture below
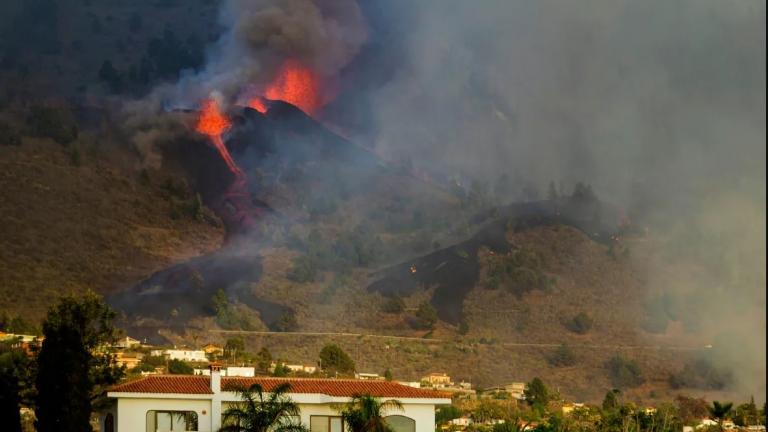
(260, 411)
(334, 360)
(611, 400)
(263, 359)
(15, 374)
(73, 368)
(537, 394)
(365, 413)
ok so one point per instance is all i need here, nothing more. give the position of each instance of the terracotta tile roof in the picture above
(184, 384)
(335, 387)
(193, 384)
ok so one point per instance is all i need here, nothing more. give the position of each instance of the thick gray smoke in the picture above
(261, 34)
(659, 105)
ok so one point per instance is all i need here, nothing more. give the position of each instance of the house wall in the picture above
(132, 412)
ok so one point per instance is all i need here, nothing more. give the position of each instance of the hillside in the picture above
(70, 223)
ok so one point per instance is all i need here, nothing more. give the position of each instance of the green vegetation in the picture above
(72, 372)
(16, 379)
(518, 272)
(334, 360)
(537, 395)
(233, 347)
(624, 373)
(365, 413)
(263, 412)
(393, 304)
(425, 317)
(581, 323)
(287, 322)
(263, 359)
(179, 367)
(229, 316)
(562, 357)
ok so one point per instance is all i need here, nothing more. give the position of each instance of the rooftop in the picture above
(198, 384)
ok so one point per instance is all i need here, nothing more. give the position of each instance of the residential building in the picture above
(127, 343)
(437, 380)
(187, 402)
(213, 349)
(195, 356)
(461, 422)
(129, 360)
(515, 390)
(414, 384)
(368, 376)
(571, 407)
(230, 371)
(308, 369)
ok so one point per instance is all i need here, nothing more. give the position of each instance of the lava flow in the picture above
(295, 84)
(213, 123)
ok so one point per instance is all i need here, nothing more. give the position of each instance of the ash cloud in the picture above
(659, 105)
(260, 35)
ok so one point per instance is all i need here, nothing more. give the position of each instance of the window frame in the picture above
(328, 422)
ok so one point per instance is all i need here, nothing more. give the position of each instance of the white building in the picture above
(163, 403)
(231, 371)
(368, 376)
(195, 356)
(127, 342)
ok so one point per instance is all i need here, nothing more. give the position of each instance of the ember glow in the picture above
(295, 84)
(213, 122)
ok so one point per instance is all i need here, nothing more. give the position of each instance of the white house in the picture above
(160, 403)
(180, 354)
(231, 371)
(127, 342)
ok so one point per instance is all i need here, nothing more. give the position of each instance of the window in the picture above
(326, 424)
(167, 421)
(400, 423)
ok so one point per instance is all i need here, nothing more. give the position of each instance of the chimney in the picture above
(215, 377)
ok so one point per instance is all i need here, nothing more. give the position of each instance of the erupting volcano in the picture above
(295, 84)
(213, 123)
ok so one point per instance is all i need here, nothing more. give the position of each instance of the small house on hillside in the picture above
(127, 343)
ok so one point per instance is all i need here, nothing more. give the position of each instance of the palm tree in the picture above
(720, 411)
(260, 412)
(365, 413)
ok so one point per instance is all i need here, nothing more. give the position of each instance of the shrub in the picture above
(179, 367)
(304, 270)
(624, 373)
(581, 323)
(426, 317)
(55, 123)
(334, 359)
(287, 322)
(393, 305)
(562, 357)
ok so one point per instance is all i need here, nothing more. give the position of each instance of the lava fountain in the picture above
(295, 84)
(213, 123)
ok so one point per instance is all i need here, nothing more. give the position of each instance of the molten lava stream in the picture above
(219, 144)
(213, 123)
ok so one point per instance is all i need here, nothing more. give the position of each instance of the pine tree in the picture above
(72, 372)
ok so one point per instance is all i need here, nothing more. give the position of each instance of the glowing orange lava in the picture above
(258, 104)
(213, 123)
(295, 84)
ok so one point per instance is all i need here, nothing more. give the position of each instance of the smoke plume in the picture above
(659, 105)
